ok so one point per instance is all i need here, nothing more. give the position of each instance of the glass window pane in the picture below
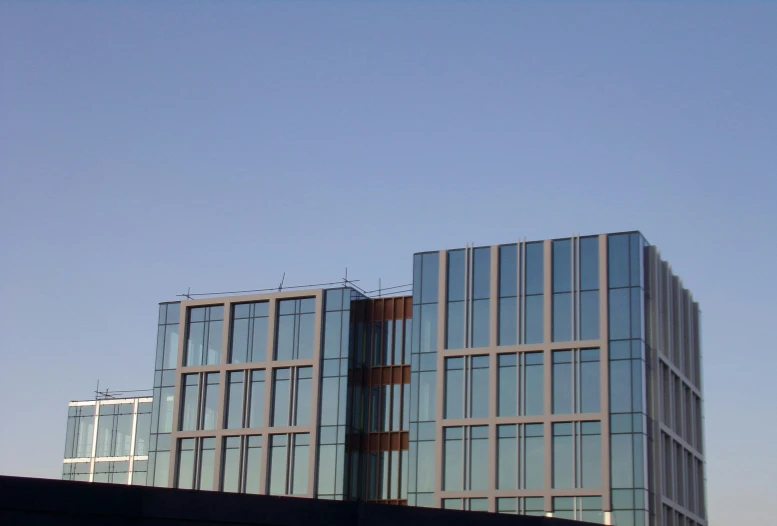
(480, 323)
(533, 319)
(620, 317)
(589, 315)
(281, 385)
(591, 459)
(479, 388)
(481, 273)
(427, 396)
(190, 402)
(589, 263)
(428, 328)
(214, 342)
(620, 386)
(231, 472)
(301, 467)
(454, 384)
(507, 463)
(455, 326)
(332, 331)
(562, 387)
(239, 350)
(194, 343)
(253, 464)
(563, 459)
(533, 457)
(304, 396)
(256, 403)
(306, 322)
(533, 386)
(235, 400)
(562, 265)
(454, 461)
(508, 329)
(327, 460)
(277, 465)
(562, 317)
(508, 270)
(185, 463)
(210, 406)
(284, 345)
(479, 462)
(589, 387)
(534, 268)
(429, 282)
(508, 392)
(259, 339)
(207, 463)
(171, 346)
(455, 275)
(618, 260)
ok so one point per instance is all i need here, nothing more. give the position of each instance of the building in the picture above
(107, 440)
(554, 377)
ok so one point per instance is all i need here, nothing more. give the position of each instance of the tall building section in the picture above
(558, 377)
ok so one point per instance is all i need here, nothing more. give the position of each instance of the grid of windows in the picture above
(107, 441)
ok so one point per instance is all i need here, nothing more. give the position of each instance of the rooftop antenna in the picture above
(379, 288)
(97, 390)
(282, 279)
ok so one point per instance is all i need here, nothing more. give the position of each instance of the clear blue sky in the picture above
(148, 147)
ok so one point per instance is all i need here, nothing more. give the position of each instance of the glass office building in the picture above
(107, 441)
(554, 377)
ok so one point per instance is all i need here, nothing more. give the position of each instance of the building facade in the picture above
(554, 377)
(107, 441)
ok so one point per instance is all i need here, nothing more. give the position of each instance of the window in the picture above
(289, 459)
(576, 384)
(204, 335)
(520, 381)
(508, 292)
(456, 295)
(235, 388)
(562, 290)
(588, 509)
(167, 336)
(534, 293)
(520, 456)
(249, 332)
(481, 292)
(465, 455)
(577, 455)
(294, 334)
(292, 396)
(111, 472)
(589, 288)
(331, 463)
(241, 462)
(143, 429)
(114, 430)
(199, 413)
(80, 431)
(76, 471)
(521, 505)
(256, 399)
(466, 387)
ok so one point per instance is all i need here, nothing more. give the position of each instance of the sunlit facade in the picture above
(558, 377)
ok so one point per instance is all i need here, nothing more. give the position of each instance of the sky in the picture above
(150, 147)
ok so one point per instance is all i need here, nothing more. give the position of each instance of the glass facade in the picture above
(108, 441)
(516, 379)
